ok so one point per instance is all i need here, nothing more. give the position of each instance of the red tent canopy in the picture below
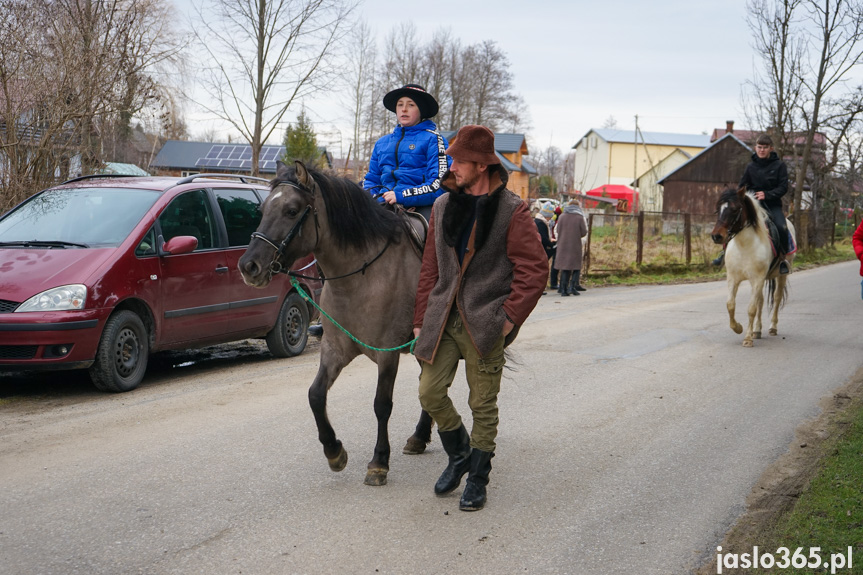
(614, 192)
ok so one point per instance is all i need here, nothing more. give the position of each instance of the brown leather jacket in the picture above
(502, 276)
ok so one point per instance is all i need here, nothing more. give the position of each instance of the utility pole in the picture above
(635, 168)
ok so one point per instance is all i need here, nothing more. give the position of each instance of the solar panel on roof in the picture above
(239, 156)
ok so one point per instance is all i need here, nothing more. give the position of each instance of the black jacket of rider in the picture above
(770, 176)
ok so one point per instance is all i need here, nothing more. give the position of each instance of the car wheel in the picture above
(291, 332)
(121, 359)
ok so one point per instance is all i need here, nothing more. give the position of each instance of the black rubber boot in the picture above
(573, 283)
(473, 497)
(720, 259)
(457, 445)
(576, 281)
(565, 277)
(316, 330)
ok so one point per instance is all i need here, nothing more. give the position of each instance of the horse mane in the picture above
(355, 218)
(755, 213)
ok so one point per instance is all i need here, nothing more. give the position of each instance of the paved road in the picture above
(632, 430)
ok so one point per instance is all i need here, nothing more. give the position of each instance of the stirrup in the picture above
(784, 267)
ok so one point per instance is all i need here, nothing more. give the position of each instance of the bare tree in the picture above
(837, 35)
(264, 55)
(359, 77)
(70, 71)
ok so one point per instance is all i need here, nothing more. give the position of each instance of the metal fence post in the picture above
(687, 236)
(640, 239)
(587, 250)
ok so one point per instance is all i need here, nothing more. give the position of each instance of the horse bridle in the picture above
(276, 266)
(732, 224)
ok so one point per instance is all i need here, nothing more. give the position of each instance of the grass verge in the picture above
(811, 497)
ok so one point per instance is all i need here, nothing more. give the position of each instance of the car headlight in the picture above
(56, 299)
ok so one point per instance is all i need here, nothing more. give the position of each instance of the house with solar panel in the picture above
(510, 150)
(179, 158)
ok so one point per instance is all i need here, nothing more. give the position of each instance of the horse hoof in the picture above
(376, 477)
(340, 461)
(414, 446)
(756, 335)
(747, 343)
(737, 328)
(773, 332)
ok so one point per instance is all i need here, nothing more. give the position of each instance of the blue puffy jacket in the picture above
(410, 162)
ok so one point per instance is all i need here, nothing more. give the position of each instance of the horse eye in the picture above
(293, 213)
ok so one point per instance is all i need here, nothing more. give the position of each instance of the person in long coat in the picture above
(570, 228)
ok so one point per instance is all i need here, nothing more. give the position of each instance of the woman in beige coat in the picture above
(570, 228)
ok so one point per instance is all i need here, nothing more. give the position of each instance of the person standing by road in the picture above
(857, 242)
(407, 165)
(543, 226)
(483, 271)
(571, 227)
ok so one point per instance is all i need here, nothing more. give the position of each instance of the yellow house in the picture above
(609, 156)
(511, 149)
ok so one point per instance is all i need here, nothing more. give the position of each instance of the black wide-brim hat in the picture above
(425, 102)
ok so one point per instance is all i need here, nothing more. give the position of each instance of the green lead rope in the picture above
(305, 296)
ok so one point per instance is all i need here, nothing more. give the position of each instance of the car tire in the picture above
(291, 332)
(121, 360)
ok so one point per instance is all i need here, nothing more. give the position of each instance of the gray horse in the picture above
(371, 269)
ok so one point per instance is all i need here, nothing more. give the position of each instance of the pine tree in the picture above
(301, 143)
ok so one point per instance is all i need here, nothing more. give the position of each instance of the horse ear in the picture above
(741, 191)
(281, 169)
(303, 174)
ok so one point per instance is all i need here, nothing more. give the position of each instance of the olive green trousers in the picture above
(483, 380)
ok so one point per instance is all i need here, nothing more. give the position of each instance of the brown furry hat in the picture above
(474, 144)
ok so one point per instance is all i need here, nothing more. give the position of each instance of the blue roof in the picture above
(528, 168)
(510, 167)
(655, 138)
(180, 155)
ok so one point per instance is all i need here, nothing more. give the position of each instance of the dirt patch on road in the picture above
(779, 487)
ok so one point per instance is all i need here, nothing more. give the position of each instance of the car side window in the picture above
(147, 247)
(241, 214)
(189, 214)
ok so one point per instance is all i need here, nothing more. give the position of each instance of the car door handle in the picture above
(221, 269)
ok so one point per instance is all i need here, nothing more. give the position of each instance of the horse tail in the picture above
(770, 286)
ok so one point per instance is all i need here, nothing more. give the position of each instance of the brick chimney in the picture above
(729, 126)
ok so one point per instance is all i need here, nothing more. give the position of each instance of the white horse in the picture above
(742, 227)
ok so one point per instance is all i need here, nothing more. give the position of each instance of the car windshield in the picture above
(80, 217)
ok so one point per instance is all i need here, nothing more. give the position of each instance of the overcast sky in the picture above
(678, 64)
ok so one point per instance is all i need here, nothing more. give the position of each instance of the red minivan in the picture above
(101, 271)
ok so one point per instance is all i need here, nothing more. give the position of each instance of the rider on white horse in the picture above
(767, 176)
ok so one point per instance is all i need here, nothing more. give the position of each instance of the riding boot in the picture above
(473, 497)
(456, 443)
(316, 330)
(720, 259)
(576, 281)
(565, 276)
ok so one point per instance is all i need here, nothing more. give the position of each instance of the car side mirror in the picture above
(179, 245)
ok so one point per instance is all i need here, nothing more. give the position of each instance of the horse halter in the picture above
(276, 266)
(731, 225)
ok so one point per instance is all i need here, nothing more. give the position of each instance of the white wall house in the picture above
(605, 156)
